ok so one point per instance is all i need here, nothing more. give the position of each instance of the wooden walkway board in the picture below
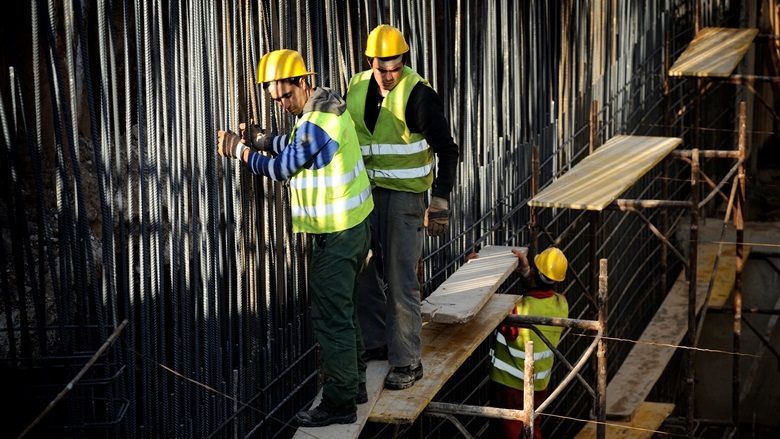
(648, 358)
(725, 272)
(600, 178)
(714, 52)
(375, 379)
(647, 419)
(445, 348)
(459, 298)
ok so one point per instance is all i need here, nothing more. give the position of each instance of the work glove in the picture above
(255, 136)
(229, 144)
(437, 217)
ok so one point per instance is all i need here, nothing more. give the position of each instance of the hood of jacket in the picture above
(326, 100)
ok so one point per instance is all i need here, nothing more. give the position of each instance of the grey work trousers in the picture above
(389, 301)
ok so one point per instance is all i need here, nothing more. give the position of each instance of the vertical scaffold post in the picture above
(601, 354)
(692, 268)
(528, 392)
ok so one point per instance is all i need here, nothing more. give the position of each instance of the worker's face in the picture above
(387, 73)
(292, 97)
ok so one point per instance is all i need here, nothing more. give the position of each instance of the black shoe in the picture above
(321, 416)
(362, 395)
(379, 353)
(403, 377)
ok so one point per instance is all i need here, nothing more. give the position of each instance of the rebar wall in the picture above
(116, 206)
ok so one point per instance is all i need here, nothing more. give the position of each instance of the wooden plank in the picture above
(445, 348)
(600, 178)
(648, 358)
(459, 298)
(646, 421)
(714, 52)
(725, 272)
(375, 379)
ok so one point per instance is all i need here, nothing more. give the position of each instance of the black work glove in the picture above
(437, 217)
(229, 144)
(255, 137)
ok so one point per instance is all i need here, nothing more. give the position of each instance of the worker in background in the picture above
(507, 356)
(402, 129)
(330, 201)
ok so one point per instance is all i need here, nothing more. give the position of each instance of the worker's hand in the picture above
(229, 144)
(437, 217)
(254, 136)
(523, 267)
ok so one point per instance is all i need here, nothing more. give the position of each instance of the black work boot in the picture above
(321, 416)
(362, 395)
(403, 377)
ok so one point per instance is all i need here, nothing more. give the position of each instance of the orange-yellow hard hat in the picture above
(385, 41)
(281, 64)
(552, 263)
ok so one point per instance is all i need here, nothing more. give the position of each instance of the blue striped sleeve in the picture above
(311, 147)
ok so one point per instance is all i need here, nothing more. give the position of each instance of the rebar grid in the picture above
(117, 206)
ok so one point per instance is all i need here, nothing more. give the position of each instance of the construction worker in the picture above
(507, 356)
(401, 126)
(330, 201)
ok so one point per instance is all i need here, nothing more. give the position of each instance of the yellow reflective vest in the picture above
(338, 196)
(395, 158)
(508, 356)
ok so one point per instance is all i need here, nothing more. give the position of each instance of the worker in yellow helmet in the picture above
(507, 356)
(330, 201)
(401, 128)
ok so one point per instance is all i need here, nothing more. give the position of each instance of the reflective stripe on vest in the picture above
(338, 196)
(516, 353)
(395, 157)
(508, 356)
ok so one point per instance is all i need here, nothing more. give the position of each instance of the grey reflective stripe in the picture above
(517, 353)
(330, 181)
(400, 174)
(330, 209)
(513, 370)
(394, 148)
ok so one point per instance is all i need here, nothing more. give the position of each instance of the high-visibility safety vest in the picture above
(338, 196)
(395, 157)
(508, 356)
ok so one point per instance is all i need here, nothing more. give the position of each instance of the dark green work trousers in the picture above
(336, 260)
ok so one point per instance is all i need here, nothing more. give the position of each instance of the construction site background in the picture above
(152, 289)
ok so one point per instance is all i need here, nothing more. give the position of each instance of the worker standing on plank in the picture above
(401, 127)
(508, 353)
(330, 201)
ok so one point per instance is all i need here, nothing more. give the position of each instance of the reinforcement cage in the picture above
(117, 207)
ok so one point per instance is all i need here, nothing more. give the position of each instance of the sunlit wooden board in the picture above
(445, 348)
(646, 421)
(647, 360)
(714, 52)
(459, 298)
(725, 272)
(600, 178)
(375, 379)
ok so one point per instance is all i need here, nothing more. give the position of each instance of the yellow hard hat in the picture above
(385, 41)
(552, 263)
(281, 64)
